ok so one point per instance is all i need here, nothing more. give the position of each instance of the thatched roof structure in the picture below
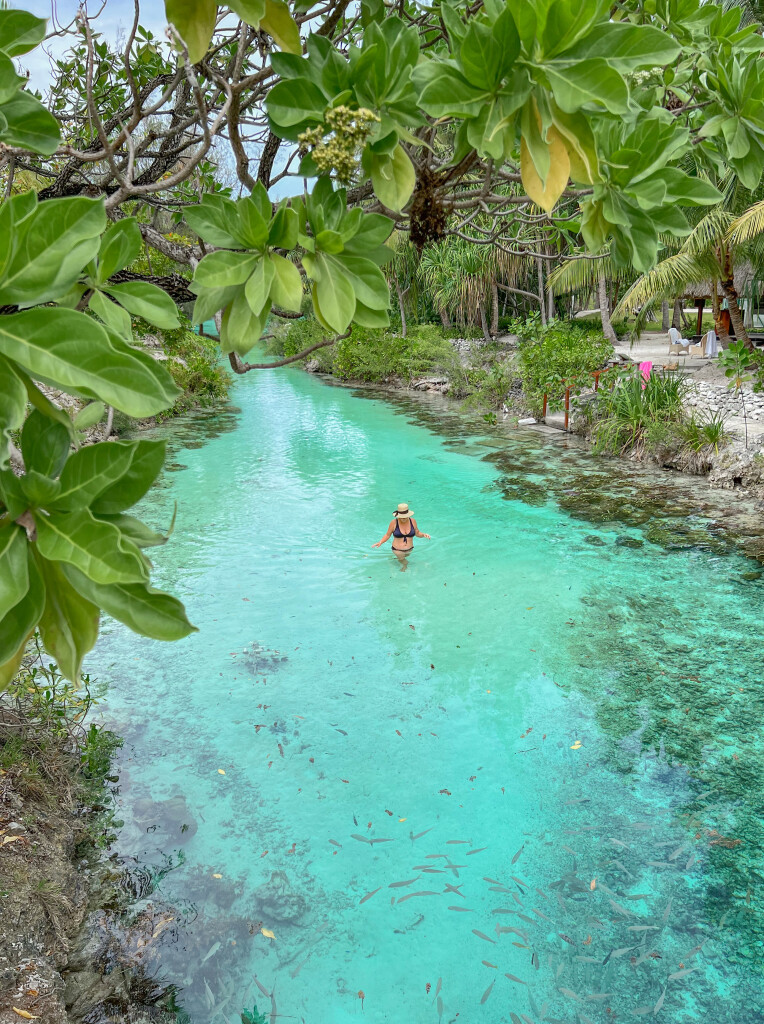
(747, 284)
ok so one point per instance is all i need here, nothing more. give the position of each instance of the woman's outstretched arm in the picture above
(417, 533)
(390, 529)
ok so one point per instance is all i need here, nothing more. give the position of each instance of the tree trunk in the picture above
(445, 319)
(676, 318)
(494, 310)
(665, 322)
(720, 323)
(730, 294)
(607, 327)
(484, 323)
(542, 304)
(402, 307)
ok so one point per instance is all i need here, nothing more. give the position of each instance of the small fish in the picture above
(335, 843)
(433, 871)
(213, 950)
(437, 989)
(570, 994)
(599, 996)
(336, 730)
(487, 964)
(525, 884)
(420, 834)
(503, 910)
(533, 909)
(659, 1004)
(535, 960)
(482, 935)
(368, 895)
(435, 856)
(399, 885)
(524, 917)
(457, 842)
(566, 938)
(675, 854)
(667, 911)
(260, 985)
(361, 839)
(440, 1007)
(513, 978)
(500, 888)
(513, 931)
(487, 992)
(463, 910)
(620, 910)
(690, 863)
(479, 850)
(642, 928)
(516, 857)
(412, 894)
(517, 901)
(454, 889)
(493, 881)
(373, 841)
(681, 974)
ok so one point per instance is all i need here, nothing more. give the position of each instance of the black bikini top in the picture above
(397, 531)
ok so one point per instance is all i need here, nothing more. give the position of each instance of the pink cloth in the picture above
(645, 369)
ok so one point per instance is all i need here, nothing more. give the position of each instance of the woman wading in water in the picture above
(402, 529)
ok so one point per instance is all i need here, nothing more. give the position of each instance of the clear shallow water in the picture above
(556, 724)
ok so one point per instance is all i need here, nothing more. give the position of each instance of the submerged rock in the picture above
(628, 542)
(594, 540)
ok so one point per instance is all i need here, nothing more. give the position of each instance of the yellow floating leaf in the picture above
(267, 933)
(220, 771)
(546, 194)
(25, 1014)
(403, 819)
(576, 745)
(217, 876)
(593, 884)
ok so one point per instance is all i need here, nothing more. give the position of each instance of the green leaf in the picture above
(295, 103)
(20, 621)
(334, 298)
(591, 81)
(10, 82)
(141, 298)
(55, 242)
(131, 485)
(29, 125)
(40, 490)
(211, 302)
(13, 403)
(136, 531)
(195, 22)
(14, 577)
(12, 494)
(280, 24)
(286, 289)
(44, 444)
(115, 317)
(241, 328)
(258, 287)
(223, 269)
(373, 231)
(121, 243)
(92, 545)
(367, 279)
(250, 11)
(89, 415)
(627, 47)
(20, 32)
(366, 317)
(92, 470)
(393, 178)
(70, 350)
(253, 219)
(40, 401)
(283, 230)
(69, 622)
(445, 92)
(329, 241)
(145, 610)
(488, 52)
(216, 220)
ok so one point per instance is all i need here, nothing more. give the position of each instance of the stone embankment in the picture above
(708, 397)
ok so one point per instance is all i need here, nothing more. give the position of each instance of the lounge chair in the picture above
(677, 344)
(710, 344)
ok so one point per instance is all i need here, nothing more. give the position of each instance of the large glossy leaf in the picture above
(120, 244)
(258, 287)
(59, 238)
(279, 23)
(29, 125)
(444, 91)
(145, 466)
(393, 178)
(141, 298)
(286, 289)
(14, 578)
(114, 316)
(136, 531)
(211, 301)
(292, 104)
(69, 622)
(19, 622)
(241, 328)
(72, 351)
(93, 546)
(20, 32)
(44, 444)
(224, 269)
(250, 11)
(625, 46)
(195, 22)
(13, 402)
(588, 82)
(334, 299)
(283, 229)
(367, 279)
(144, 609)
(9, 80)
(92, 470)
(215, 220)
(545, 194)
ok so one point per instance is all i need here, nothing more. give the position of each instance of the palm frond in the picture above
(748, 225)
(666, 280)
(582, 274)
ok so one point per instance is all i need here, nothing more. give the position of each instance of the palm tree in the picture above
(582, 274)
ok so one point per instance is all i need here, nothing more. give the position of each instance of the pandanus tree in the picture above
(587, 110)
(585, 274)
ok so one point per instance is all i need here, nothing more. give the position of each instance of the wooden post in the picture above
(701, 304)
(567, 407)
(543, 412)
(597, 381)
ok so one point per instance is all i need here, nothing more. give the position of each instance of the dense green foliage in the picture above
(558, 355)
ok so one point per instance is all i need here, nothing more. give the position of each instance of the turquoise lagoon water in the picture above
(536, 747)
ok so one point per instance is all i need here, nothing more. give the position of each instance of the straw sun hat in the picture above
(403, 511)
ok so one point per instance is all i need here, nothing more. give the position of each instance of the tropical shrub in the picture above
(559, 352)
